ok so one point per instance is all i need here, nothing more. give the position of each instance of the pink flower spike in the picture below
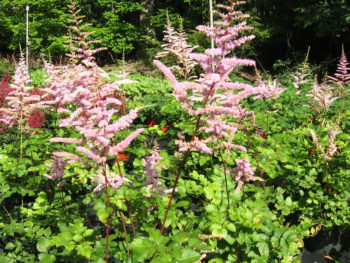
(114, 150)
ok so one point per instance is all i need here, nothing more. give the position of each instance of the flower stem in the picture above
(125, 233)
(227, 193)
(130, 218)
(184, 160)
(254, 155)
(107, 205)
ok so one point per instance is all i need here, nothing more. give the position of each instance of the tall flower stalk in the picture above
(201, 98)
(89, 105)
(341, 79)
(176, 44)
(21, 102)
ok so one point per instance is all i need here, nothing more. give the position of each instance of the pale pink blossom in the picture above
(245, 173)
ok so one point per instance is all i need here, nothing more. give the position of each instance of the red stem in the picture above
(126, 236)
(130, 217)
(184, 160)
(193, 136)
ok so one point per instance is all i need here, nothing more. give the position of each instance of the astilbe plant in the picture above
(245, 173)
(176, 44)
(21, 102)
(151, 163)
(341, 79)
(87, 103)
(302, 74)
(321, 98)
(202, 99)
(78, 37)
(331, 148)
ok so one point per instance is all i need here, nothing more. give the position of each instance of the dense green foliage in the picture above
(299, 150)
(284, 29)
(41, 221)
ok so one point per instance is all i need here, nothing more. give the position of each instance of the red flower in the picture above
(4, 87)
(36, 119)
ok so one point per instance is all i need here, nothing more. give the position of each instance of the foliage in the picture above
(297, 147)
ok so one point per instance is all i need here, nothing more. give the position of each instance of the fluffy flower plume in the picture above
(89, 104)
(245, 173)
(113, 180)
(151, 163)
(270, 90)
(341, 77)
(331, 149)
(302, 74)
(176, 44)
(21, 102)
(201, 98)
(94, 106)
(322, 96)
(57, 169)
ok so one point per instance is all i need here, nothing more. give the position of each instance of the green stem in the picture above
(254, 155)
(7, 212)
(227, 193)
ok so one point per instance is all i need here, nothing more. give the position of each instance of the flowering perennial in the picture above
(21, 101)
(151, 165)
(201, 98)
(176, 44)
(94, 105)
(245, 173)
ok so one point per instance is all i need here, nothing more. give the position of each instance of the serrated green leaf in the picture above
(189, 256)
(142, 249)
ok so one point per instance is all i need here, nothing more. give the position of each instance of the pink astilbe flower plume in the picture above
(57, 169)
(88, 103)
(342, 77)
(201, 98)
(151, 163)
(20, 101)
(244, 173)
(330, 150)
(176, 44)
(302, 74)
(94, 106)
(213, 100)
(322, 97)
(113, 179)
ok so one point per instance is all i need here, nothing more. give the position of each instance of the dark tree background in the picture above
(284, 29)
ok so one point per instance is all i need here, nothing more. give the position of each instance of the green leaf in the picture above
(10, 246)
(88, 232)
(46, 258)
(47, 232)
(189, 256)
(263, 249)
(42, 245)
(289, 201)
(231, 227)
(142, 249)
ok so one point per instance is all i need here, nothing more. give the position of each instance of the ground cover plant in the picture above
(195, 167)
